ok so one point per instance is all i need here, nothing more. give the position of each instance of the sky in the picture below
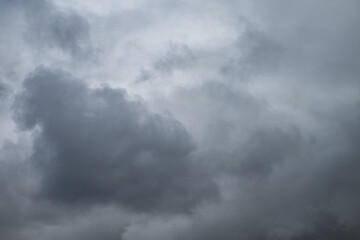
(179, 119)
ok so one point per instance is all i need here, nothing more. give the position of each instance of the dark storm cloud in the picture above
(97, 223)
(9, 208)
(327, 226)
(51, 27)
(95, 146)
(13, 190)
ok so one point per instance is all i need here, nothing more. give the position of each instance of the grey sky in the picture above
(169, 120)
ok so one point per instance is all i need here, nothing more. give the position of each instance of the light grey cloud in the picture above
(275, 178)
(178, 56)
(256, 53)
(51, 27)
(3, 90)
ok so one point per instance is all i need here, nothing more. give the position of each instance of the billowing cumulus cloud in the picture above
(179, 120)
(96, 146)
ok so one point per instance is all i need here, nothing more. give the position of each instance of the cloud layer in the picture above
(179, 120)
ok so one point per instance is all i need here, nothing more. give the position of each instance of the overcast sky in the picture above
(179, 119)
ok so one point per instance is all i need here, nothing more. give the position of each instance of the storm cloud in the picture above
(166, 120)
(96, 146)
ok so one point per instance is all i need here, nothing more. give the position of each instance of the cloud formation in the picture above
(179, 120)
(50, 27)
(96, 146)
